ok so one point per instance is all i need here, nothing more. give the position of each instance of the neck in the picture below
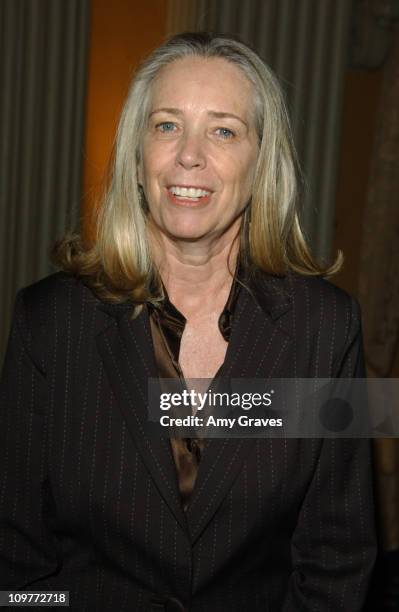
(195, 272)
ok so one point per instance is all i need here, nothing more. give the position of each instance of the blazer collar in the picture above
(270, 292)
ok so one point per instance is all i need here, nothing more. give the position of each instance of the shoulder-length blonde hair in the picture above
(118, 265)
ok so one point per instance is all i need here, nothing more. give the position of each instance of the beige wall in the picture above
(122, 33)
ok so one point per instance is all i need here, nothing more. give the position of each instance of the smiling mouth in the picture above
(188, 195)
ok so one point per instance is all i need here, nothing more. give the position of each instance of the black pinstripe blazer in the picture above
(90, 504)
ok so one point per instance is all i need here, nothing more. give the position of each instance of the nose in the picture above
(191, 152)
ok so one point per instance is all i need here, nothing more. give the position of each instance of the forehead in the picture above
(197, 83)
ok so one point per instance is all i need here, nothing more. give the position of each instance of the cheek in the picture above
(243, 179)
(154, 167)
(248, 174)
(147, 174)
(240, 167)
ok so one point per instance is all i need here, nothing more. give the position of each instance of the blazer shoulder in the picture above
(322, 318)
(318, 304)
(55, 283)
(44, 309)
(52, 296)
(298, 289)
(317, 289)
(327, 305)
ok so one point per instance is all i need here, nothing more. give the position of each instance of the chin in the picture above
(184, 229)
(189, 235)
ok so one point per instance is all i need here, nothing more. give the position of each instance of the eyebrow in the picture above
(211, 113)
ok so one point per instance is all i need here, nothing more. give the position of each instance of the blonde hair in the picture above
(118, 265)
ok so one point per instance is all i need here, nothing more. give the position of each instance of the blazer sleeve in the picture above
(26, 550)
(334, 542)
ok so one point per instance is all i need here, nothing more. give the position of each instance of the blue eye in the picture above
(225, 133)
(167, 124)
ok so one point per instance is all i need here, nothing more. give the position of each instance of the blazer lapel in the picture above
(127, 352)
(258, 348)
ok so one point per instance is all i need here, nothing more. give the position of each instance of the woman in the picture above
(199, 269)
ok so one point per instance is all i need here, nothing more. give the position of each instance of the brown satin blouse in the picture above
(167, 326)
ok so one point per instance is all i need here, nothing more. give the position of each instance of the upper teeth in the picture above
(191, 192)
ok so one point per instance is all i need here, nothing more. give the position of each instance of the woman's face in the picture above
(200, 136)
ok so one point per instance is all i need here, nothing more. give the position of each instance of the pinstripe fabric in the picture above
(89, 499)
